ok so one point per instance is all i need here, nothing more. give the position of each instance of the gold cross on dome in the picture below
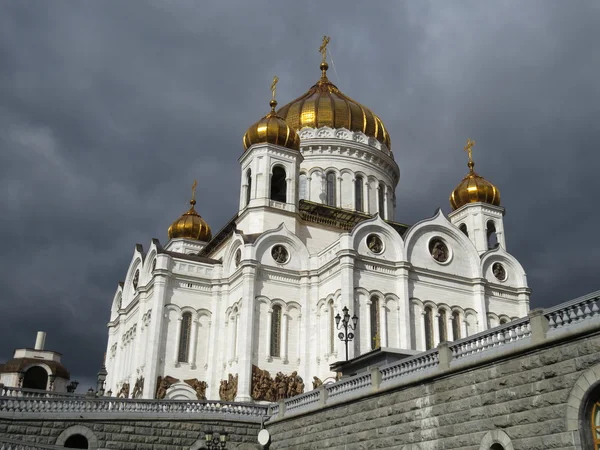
(323, 48)
(194, 190)
(469, 148)
(274, 86)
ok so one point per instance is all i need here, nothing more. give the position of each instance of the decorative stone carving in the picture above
(280, 254)
(317, 382)
(124, 391)
(199, 387)
(136, 279)
(499, 271)
(283, 386)
(439, 251)
(163, 385)
(138, 388)
(228, 388)
(238, 257)
(374, 243)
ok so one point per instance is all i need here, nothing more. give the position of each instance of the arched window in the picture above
(36, 377)
(381, 200)
(276, 331)
(249, 186)
(76, 441)
(184, 337)
(375, 324)
(330, 189)
(358, 193)
(492, 238)
(331, 328)
(302, 194)
(428, 325)
(443, 321)
(463, 227)
(278, 185)
(456, 325)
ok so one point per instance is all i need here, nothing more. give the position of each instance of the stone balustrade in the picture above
(539, 326)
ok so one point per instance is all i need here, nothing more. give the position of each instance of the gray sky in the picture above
(109, 111)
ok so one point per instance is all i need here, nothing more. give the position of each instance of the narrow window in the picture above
(249, 186)
(375, 324)
(428, 324)
(331, 328)
(278, 185)
(492, 238)
(463, 227)
(302, 187)
(456, 325)
(276, 331)
(330, 189)
(381, 199)
(442, 325)
(358, 191)
(184, 337)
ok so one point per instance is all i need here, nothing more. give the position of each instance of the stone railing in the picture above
(7, 391)
(98, 408)
(579, 315)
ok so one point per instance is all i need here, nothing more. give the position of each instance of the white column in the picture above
(230, 350)
(479, 293)
(353, 194)
(398, 329)
(246, 331)
(463, 331)
(385, 203)
(377, 202)
(422, 335)
(404, 323)
(177, 341)
(290, 191)
(436, 328)
(208, 345)
(284, 336)
(193, 342)
(268, 335)
(299, 342)
(330, 336)
(308, 196)
(338, 193)
(154, 349)
(367, 326)
(367, 199)
(382, 323)
(346, 259)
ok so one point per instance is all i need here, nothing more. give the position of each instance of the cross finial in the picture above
(469, 149)
(323, 48)
(274, 86)
(194, 191)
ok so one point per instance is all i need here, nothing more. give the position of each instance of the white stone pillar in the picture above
(367, 198)
(246, 332)
(383, 339)
(338, 193)
(479, 294)
(378, 193)
(284, 336)
(177, 341)
(290, 191)
(230, 326)
(385, 203)
(354, 208)
(299, 345)
(436, 329)
(193, 342)
(450, 328)
(422, 336)
(208, 345)
(367, 326)
(404, 321)
(308, 179)
(463, 331)
(268, 335)
(346, 259)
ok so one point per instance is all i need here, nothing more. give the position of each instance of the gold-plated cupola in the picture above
(272, 129)
(190, 225)
(473, 187)
(324, 105)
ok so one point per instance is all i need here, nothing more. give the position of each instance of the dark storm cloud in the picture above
(109, 110)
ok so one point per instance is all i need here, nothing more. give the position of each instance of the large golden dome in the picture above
(190, 225)
(323, 105)
(474, 188)
(272, 129)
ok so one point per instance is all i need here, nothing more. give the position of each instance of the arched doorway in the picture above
(36, 377)
(76, 441)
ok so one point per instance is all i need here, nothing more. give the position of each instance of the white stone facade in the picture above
(241, 303)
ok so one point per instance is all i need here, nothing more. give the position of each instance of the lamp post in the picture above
(215, 441)
(72, 386)
(346, 336)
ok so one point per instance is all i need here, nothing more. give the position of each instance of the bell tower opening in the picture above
(278, 185)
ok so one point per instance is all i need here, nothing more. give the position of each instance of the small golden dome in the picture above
(272, 129)
(324, 105)
(474, 188)
(190, 225)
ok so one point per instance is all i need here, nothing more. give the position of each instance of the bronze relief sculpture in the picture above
(264, 387)
(228, 388)
(199, 387)
(163, 385)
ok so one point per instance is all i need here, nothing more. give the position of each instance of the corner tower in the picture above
(348, 162)
(476, 208)
(270, 169)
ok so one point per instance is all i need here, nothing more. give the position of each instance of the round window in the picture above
(280, 254)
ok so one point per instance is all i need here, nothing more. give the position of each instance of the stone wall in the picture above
(131, 435)
(520, 401)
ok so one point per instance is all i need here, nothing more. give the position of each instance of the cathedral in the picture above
(211, 315)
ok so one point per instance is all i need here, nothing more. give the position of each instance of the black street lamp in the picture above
(346, 325)
(216, 441)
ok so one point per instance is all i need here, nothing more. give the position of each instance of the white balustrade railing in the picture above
(7, 391)
(299, 402)
(348, 385)
(417, 363)
(576, 311)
